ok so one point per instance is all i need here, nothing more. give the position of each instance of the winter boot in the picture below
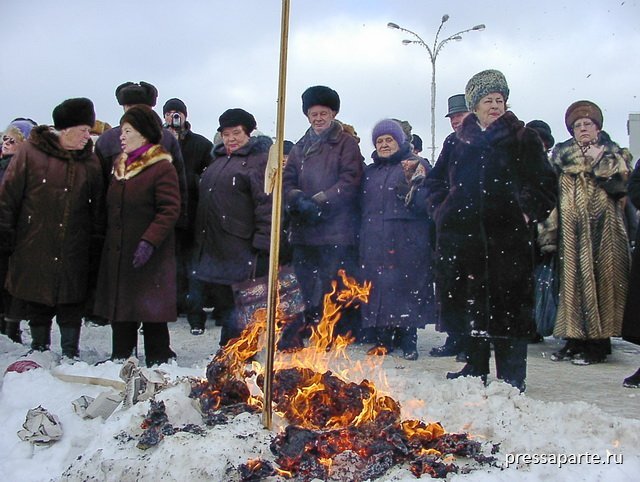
(633, 381)
(40, 337)
(2, 325)
(70, 340)
(12, 330)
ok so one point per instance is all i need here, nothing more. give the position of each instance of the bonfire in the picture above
(334, 427)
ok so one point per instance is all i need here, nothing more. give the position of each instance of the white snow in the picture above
(570, 412)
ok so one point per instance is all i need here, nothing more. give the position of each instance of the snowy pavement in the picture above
(574, 411)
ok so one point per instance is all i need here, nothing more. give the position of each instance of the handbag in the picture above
(546, 294)
(250, 296)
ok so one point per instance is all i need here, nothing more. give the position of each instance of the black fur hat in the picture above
(144, 119)
(74, 112)
(320, 95)
(544, 131)
(130, 93)
(237, 117)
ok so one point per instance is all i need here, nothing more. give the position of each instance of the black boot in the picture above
(40, 336)
(408, 338)
(12, 330)
(450, 347)
(633, 381)
(2, 325)
(70, 340)
(157, 349)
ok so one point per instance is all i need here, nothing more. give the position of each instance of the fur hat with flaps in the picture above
(388, 127)
(237, 117)
(74, 112)
(485, 83)
(581, 109)
(320, 95)
(131, 93)
(143, 119)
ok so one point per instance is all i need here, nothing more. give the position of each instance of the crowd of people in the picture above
(133, 225)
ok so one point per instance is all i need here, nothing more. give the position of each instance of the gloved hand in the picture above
(143, 253)
(309, 211)
(402, 189)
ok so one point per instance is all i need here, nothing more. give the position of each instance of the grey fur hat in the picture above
(484, 83)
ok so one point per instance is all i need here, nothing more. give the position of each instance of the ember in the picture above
(339, 429)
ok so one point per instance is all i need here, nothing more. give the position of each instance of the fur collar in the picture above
(504, 127)
(156, 154)
(46, 140)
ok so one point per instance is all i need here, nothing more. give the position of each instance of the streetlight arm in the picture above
(411, 32)
(455, 36)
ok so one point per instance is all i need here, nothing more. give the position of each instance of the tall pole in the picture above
(433, 55)
(273, 184)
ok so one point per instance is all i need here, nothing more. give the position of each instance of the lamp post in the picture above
(433, 55)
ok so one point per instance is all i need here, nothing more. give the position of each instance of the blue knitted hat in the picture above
(390, 127)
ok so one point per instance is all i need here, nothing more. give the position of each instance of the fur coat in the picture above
(593, 245)
(485, 194)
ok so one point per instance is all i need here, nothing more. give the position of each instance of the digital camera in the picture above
(175, 120)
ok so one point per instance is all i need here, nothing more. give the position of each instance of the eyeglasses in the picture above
(9, 140)
(585, 124)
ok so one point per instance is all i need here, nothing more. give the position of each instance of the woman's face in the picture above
(75, 138)
(489, 108)
(9, 145)
(234, 138)
(386, 146)
(320, 118)
(131, 139)
(585, 130)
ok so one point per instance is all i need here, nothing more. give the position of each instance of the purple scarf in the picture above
(136, 154)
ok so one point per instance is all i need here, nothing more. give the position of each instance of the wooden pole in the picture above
(273, 184)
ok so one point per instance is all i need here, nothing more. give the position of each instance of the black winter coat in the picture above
(233, 221)
(631, 321)
(108, 150)
(479, 192)
(395, 248)
(197, 154)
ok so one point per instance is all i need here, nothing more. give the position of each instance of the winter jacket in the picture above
(593, 245)
(143, 203)
(52, 204)
(631, 321)
(485, 194)
(196, 152)
(108, 149)
(395, 249)
(233, 221)
(329, 169)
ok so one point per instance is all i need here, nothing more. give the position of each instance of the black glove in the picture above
(309, 212)
(143, 254)
(402, 189)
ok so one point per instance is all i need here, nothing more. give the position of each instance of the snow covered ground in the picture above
(575, 413)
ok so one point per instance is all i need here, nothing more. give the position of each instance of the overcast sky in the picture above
(216, 55)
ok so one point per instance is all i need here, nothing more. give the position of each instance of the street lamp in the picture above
(433, 55)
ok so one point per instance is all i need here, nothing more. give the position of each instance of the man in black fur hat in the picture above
(51, 215)
(322, 199)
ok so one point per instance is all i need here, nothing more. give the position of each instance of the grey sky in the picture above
(216, 55)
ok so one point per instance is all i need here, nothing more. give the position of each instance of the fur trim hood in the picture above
(46, 140)
(155, 154)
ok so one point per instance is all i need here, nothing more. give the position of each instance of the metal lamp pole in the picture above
(433, 55)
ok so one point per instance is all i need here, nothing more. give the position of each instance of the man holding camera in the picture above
(196, 152)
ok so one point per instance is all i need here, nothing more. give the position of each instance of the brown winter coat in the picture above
(143, 203)
(51, 202)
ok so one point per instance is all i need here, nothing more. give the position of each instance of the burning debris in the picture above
(339, 429)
